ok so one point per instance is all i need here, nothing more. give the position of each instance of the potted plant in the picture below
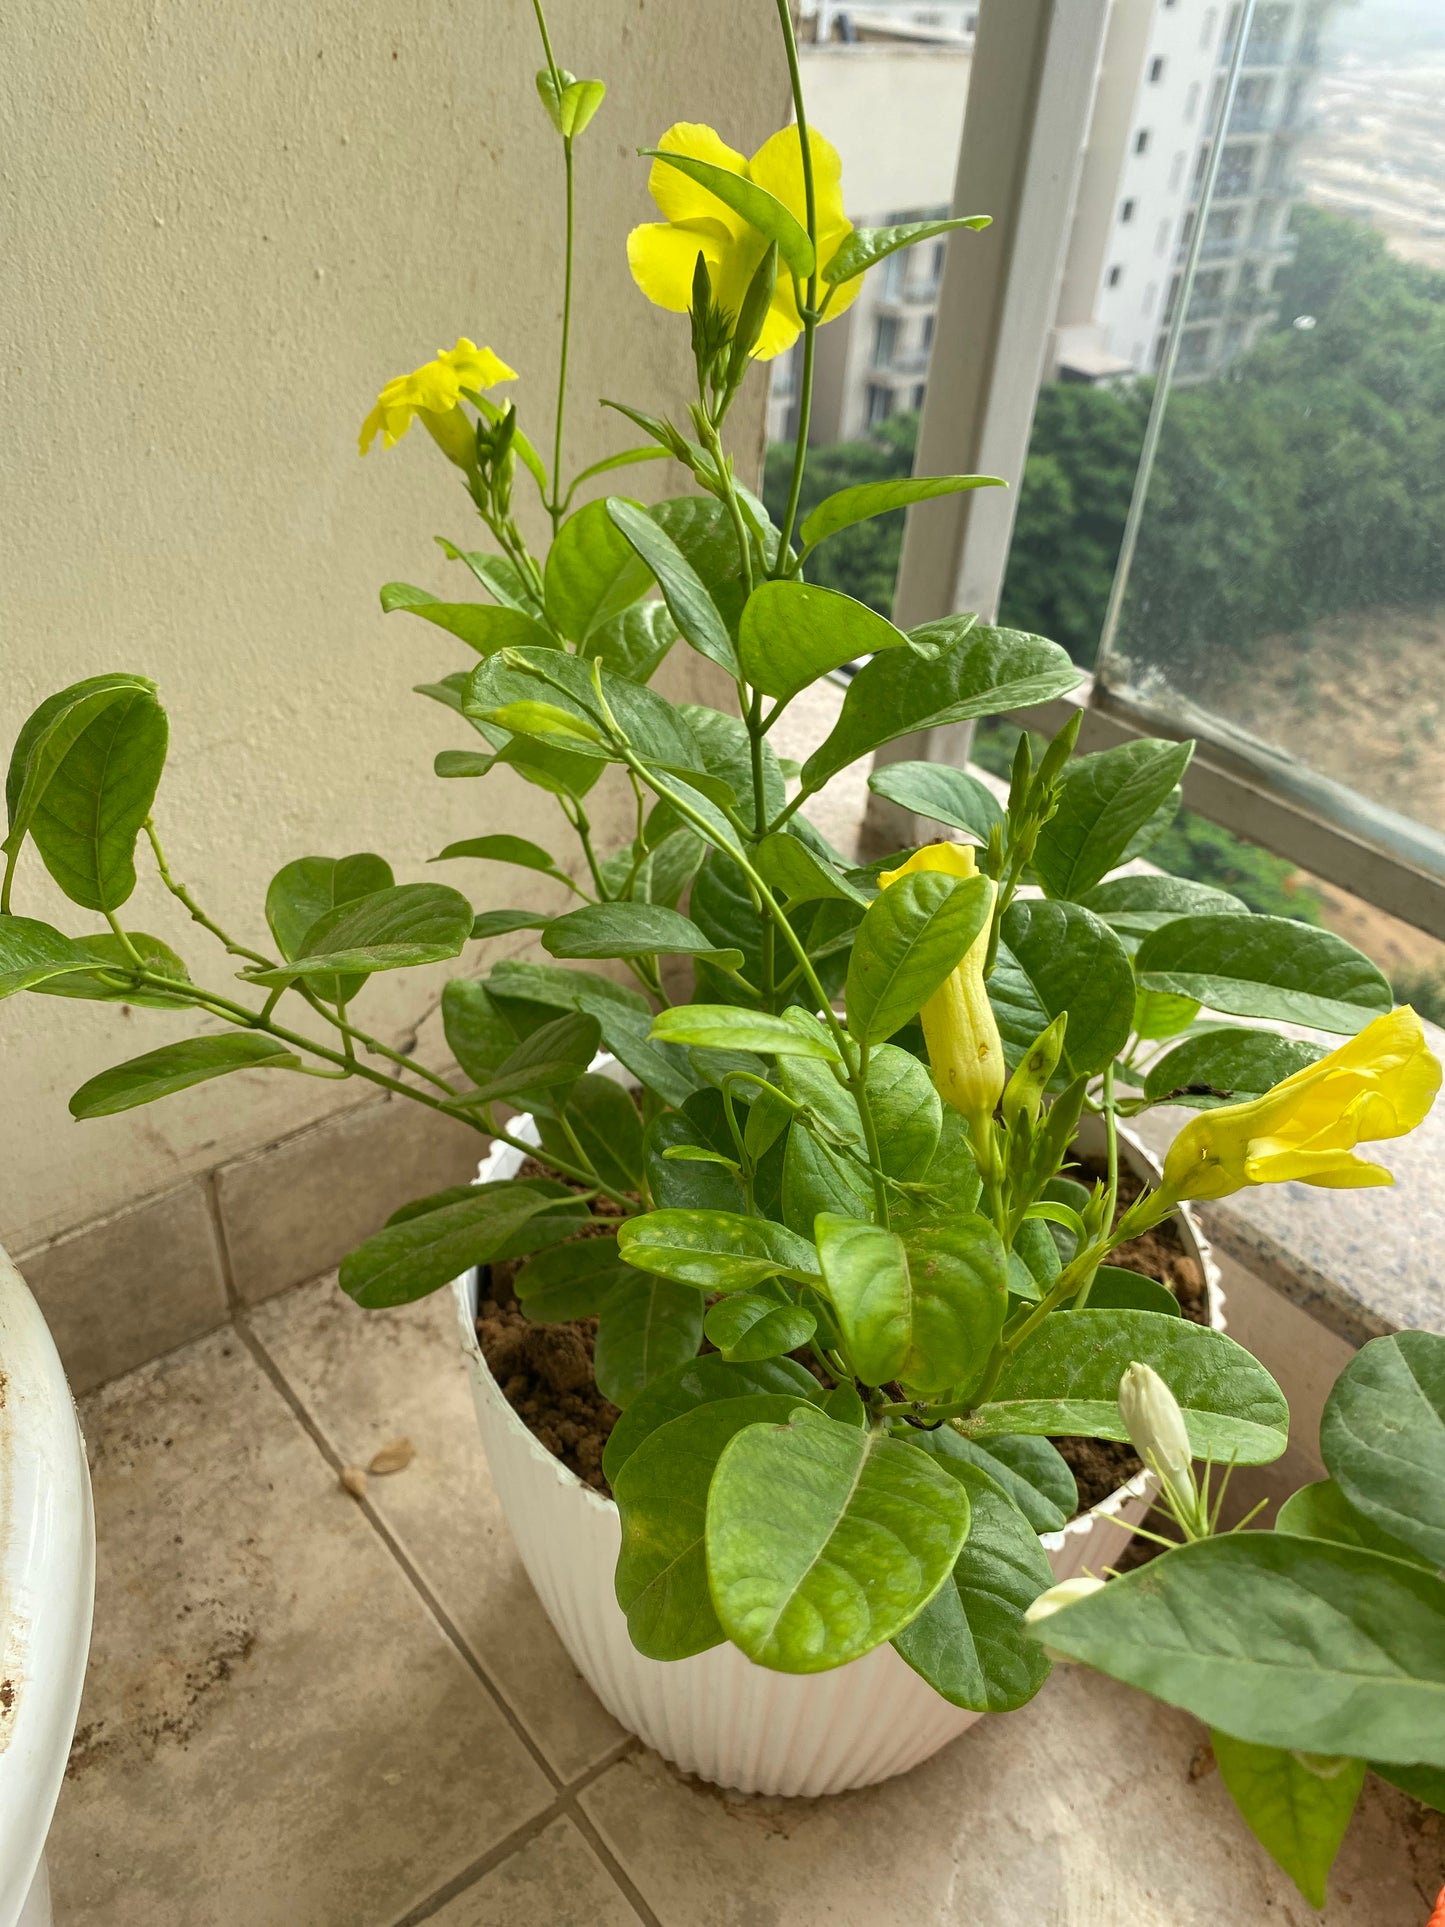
(1314, 1651)
(849, 1277)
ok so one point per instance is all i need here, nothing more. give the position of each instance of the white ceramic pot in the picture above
(717, 1714)
(47, 1588)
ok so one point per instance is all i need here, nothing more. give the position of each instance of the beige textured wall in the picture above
(224, 227)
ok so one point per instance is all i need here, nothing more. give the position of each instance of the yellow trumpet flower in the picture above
(663, 254)
(959, 1028)
(1381, 1084)
(433, 394)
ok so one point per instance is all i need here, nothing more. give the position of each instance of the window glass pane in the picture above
(1287, 594)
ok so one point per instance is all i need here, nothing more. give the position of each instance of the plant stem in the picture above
(555, 507)
(373, 1044)
(198, 915)
(784, 563)
(1111, 1198)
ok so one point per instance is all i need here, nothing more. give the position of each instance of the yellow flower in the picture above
(1381, 1084)
(433, 393)
(663, 254)
(958, 1021)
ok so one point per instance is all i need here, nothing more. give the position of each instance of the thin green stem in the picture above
(555, 507)
(137, 960)
(198, 915)
(1111, 1197)
(784, 562)
(351, 1035)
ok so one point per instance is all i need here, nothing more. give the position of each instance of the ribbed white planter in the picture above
(717, 1714)
(47, 1587)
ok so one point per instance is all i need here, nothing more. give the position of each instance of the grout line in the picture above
(621, 1878)
(211, 1191)
(393, 1545)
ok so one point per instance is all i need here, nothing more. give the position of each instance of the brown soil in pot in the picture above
(545, 1371)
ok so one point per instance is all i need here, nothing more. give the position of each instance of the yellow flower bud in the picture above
(1379, 1085)
(432, 394)
(1155, 1426)
(959, 1027)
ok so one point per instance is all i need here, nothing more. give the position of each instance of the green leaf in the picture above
(1265, 967)
(757, 207)
(501, 578)
(592, 574)
(478, 1032)
(907, 1113)
(1157, 1015)
(97, 793)
(793, 632)
(1057, 957)
(112, 980)
(406, 1261)
(797, 875)
(661, 1492)
(700, 1381)
(970, 1641)
(634, 643)
(867, 499)
(454, 763)
(817, 1179)
(1226, 1067)
(1280, 1641)
(727, 753)
(1135, 905)
(1105, 800)
(683, 590)
(504, 849)
(1115, 1289)
(1297, 1805)
(1321, 1511)
(1382, 1437)
(569, 1281)
(388, 929)
(722, 1027)
(501, 923)
(552, 1056)
(1423, 1783)
(632, 930)
(713, 1250)
(941, 794)
(865, 1269)
(914, 935)
(301, 893)
(1029, 1470)
(608, 1126)
(624, 1015)
(32, 952)
(574, 108)
(823, 1541)
(174, 1067)
(480, 625)
(552, 725)
(1064, 1380)
(646, 1327)
(865, 245)
(955, 670)
(758, 1324)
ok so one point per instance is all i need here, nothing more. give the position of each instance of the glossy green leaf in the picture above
(607, 1124)
(501, 578)
(593, 573)
(1226, 1067)
(912, 937)
(569, 1281)
(503, 849)
(408, 1260)
(1134, 905)
(1115, 1289)
(722, 1027)
(758, 208)
(646, 1327)
(700, 1381)
(794, 632)
(1382, 1437)
(823, 1541)
(631, 930)
(86, 815)
(111, 978)
(727, 752)
(970, 1641)
(1265, 967)
(661, 1493)
(634, 643)
(548, 1059)
(683, 590)
(1057, 957)
(1029, 1471)
(483, 626)
(571, 107)
(1321, 1511)
(865, 245)
(817, 1179)
(1423, 1783)
(388, 929)
(702, 529)
(1297, 1805)
(865, 1269)
(32, 952)
(714, 1250)
(941, 794)
(758, 1324)
(796, 875)
(624, 1015)
(301, 893)
(1105, 800)
(478, 1032)
(551, 725)
(175, 1067)
(955, 670)
(1064, 1380)
(1278, 1640)
(1157, 1015)
(867, 499)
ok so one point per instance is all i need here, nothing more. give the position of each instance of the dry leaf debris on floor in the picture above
(395, 1456)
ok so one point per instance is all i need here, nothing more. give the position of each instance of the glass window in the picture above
(880, 403)
(885, 340)
(1141, 141)
(1126, 212)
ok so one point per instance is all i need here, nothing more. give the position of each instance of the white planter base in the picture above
(717, 1714)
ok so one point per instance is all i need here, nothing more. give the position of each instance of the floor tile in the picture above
(554, 1881)
(370, 1376)
(275, 1731)
(1076, 1812)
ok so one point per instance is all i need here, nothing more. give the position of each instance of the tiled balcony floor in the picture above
(309, 1711)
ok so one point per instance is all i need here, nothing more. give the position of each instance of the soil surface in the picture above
(545, 1371)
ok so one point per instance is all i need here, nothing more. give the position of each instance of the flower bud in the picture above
(1155, 1425)
(1055, 1599)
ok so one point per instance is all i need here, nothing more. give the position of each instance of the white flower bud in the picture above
(1064, 1594)
(1155, 1424)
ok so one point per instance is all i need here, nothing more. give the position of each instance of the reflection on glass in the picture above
(1287, 594)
